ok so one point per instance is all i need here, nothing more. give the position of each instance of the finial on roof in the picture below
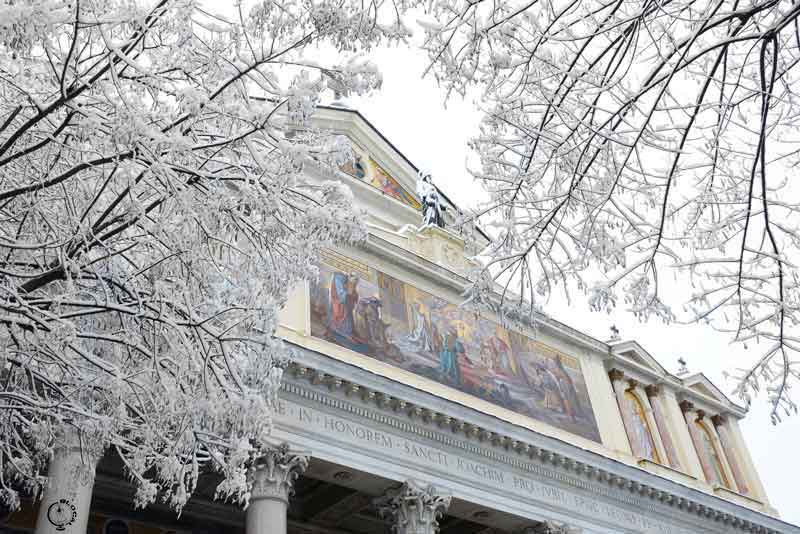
(683, 370)
(614, 334)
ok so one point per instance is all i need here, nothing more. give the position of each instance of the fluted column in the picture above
(731, 450)
(67, 497)
(413, 508)
(618, 383)
(653, 396)
(691, 417)
(273, 479)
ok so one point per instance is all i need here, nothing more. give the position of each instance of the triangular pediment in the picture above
(702, 385)
(635, 353)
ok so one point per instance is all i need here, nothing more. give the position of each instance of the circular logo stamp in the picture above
(61, 514)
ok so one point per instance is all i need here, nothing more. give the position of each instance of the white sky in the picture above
(409, 111)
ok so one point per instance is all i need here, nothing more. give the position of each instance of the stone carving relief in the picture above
(413, 508)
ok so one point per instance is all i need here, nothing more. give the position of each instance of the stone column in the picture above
(412, 508)
(67, 498)
(653, 396)
(731, 452)
(273, 479)
(691, 417)
(618, 382)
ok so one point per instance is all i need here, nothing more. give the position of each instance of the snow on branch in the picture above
(154, 213)
(626, 140)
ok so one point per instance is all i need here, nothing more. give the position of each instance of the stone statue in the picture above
(429, 198)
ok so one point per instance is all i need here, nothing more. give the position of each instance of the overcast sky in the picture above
(409, 111)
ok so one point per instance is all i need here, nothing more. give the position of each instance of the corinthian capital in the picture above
(274, 474)
(551, 527)
(412, 508)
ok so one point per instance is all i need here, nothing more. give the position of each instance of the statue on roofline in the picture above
(432, 210)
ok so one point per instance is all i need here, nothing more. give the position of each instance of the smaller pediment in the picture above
(631, 351)
(699, 383)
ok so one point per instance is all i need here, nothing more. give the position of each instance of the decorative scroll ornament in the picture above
(275, 473)
(412, 508)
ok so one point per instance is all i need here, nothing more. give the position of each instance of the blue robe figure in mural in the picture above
(452, 350)
(343, 300)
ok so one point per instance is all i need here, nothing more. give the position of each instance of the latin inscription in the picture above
(396, 446)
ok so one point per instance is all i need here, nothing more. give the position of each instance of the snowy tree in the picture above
(154, 212)
(626, 140)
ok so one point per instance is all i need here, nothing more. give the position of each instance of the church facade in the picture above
(404, 411)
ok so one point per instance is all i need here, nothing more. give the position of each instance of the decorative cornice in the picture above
(569, 470)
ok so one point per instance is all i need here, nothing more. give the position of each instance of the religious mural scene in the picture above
(366, 169)
(367, 311)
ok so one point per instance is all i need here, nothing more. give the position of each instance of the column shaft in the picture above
(731, 450)
(273, 479)
(67, 499)
(653, 395)
(708, 471)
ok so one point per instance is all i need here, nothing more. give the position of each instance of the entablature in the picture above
(459, 428)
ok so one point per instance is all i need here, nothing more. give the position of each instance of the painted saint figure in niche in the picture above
(452, 350)
(642, 439)
(713, 457)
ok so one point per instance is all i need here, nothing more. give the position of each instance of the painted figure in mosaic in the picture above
(343, 300)
(375, 329)
(567, 388)
(420, 336)
(547, 382)
(429, 198)
(452, 351)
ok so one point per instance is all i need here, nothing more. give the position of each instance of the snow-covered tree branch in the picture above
(153, 216)
(626, 140)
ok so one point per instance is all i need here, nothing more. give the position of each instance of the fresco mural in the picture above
(367, 169)
(365, 310)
